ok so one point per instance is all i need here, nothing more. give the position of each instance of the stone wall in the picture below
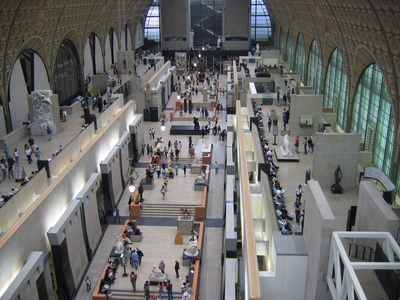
(332, 150)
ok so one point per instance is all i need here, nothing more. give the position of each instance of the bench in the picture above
(377, 174)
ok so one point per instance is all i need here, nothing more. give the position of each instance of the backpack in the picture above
(48, 130)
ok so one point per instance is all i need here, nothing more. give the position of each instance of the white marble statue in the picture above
(156, 273)
(257, 48)
(41, 111)
(196, 159)
(192, 248)
(201, 178)
(286, 147)
(119, 247)
(219, 42)
(272, 112)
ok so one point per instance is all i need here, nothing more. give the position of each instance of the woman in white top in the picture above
(16, 155)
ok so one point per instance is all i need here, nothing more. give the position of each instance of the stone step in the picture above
(158, 210)
(169, 205)
(159, 214)
(138, 295)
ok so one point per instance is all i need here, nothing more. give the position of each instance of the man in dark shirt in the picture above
(169, 290)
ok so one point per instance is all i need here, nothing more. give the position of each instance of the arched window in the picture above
(261, 29)
(372, 117)
(300, 58)
(289, 49)
(152, 22)
(67, 75)
(335, 93)
(314, 68)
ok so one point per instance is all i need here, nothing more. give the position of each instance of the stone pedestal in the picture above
(206, 148)
(185, 225)
(147, 184)
(205, 93)
(186, 259)
(196, 168)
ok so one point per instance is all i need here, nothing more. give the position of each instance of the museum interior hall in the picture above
(205, 150)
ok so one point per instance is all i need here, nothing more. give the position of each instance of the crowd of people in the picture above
(9, 163)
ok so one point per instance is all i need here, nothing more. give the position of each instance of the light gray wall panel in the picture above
(175, 24)
(88, 198)
(237, 14)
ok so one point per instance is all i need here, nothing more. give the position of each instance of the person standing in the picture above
(133, 279)
(16, 155)
(31, 142)
(28, 153)
(158, 170)
(116, 215)
(177, 267)
(284, 118)
(163, 192)
(146, 289)
(296, 144)
(5, 148)
(140, 191)
(48, 130)
(305, 143)
(216, 167)
(38, 153)
(10, 162)
(135, 259)
(269, 124)
(161, 266)
(160, 289)
(176, 169)
(275, 126)
(299, 192)
(88, 284)
(140, 254)
(184, 170)
(169, 290)
(284, 99)
(297, 210)
(3, 168)
(309, 142)
(170, 171)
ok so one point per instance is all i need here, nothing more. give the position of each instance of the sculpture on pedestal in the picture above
(272, 112)
(286, 148)
(192, 248)
(119, 247)
(156, 273)
(336, 188)
(185, 213)
(201, 178)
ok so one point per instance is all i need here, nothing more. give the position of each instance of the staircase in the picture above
(139, 295)
(164, 210)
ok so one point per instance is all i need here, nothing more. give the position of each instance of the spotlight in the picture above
(131, 185)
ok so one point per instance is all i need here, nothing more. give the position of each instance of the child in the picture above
(163, 192)
(165, 182)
